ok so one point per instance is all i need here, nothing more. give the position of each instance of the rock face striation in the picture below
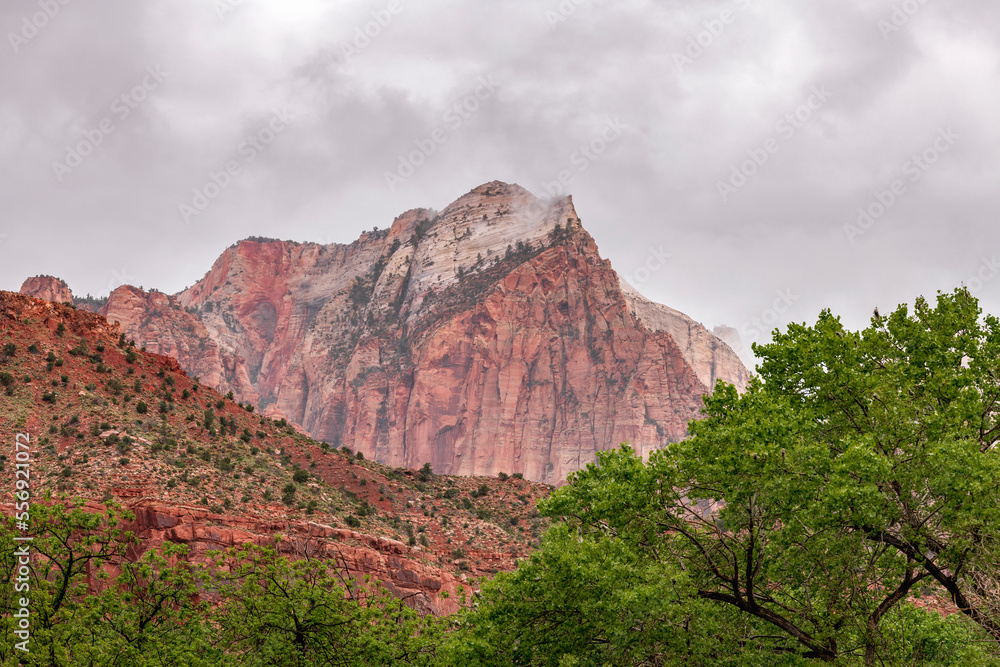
(488, 337)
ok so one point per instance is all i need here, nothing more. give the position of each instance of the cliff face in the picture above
(488, 337)
(158, 323)
(708, 353)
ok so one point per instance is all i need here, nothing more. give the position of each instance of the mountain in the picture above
(109, 421)
(488, 337)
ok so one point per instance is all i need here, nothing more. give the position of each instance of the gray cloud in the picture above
(688, 125)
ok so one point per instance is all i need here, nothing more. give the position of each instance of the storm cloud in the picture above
(748, 162)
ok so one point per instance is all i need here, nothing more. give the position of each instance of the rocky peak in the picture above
(47, 288)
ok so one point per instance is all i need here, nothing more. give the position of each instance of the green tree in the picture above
(303, 612)
(855, 467)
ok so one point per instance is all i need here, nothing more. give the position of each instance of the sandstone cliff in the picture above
(47, 288)
(488, 337)
(706, 352)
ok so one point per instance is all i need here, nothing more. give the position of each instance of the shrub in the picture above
(502, 476)
(300, 476)
(9, 349)
(49, 397)
(6, 379)
(123, 460)
(141, 407)
(426, 473)
(451, 493)
(352, 521)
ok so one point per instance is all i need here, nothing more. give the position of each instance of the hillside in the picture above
(109, 420)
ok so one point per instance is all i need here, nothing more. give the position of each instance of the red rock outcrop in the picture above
(158, 323)
(47, 288)
(488, 337)
(391, 562)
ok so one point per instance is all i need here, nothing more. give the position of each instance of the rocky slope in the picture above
(109, 421)
(488, 337)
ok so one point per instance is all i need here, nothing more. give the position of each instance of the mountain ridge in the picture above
(487, 337)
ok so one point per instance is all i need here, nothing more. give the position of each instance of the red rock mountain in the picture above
(488, 337)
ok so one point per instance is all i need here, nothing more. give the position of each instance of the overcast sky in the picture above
(728, 144)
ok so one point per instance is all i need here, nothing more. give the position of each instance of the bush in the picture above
(6, 379)
(123, 460)
(9, 349)
(502, 476)
(352, 521)
(141, 407)
(300, 476)
(426, 473)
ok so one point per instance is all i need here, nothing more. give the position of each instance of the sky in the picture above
(748, 162)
